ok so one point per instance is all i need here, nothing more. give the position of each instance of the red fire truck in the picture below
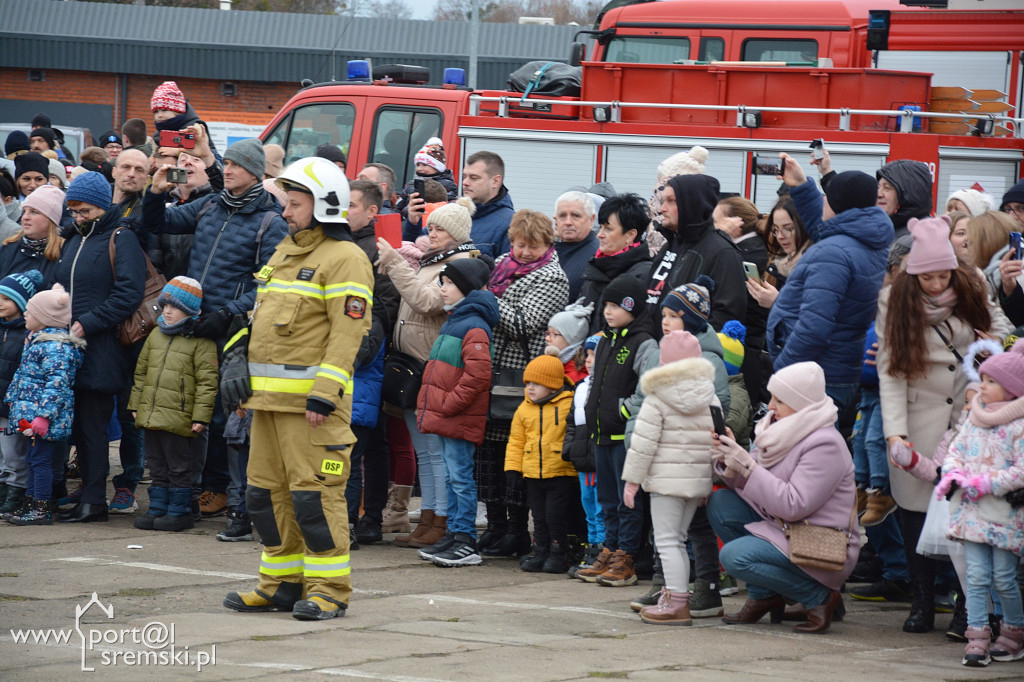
(743, 78)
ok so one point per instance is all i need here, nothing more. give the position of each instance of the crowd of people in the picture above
(636, 379)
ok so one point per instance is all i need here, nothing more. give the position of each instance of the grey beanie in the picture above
(249, 155)
(573, 323)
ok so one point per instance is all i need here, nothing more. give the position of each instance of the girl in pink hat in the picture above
(927, 318)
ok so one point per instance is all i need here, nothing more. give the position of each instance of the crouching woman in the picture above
(799, 472)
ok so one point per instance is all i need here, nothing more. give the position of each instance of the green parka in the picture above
(175, 383)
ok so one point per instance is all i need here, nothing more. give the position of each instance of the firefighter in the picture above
(293, 367)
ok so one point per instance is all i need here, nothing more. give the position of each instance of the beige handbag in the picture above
(819, 546)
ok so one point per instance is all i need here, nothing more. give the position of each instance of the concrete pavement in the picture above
(408, 621)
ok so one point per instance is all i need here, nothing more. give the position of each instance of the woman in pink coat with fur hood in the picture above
(800, 470)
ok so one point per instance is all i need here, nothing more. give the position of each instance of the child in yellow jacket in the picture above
(533, 462)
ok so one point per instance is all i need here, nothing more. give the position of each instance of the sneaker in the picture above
(445, 543)
(880, 507)
(212, 504)
(706, 600)
(620, 572)
(883, 590)
(123, 502)
(1009, 646)
(318, 607)
(461, 553)
(74, 498)
(600, 565)
(652, 596)
(727, 585)
(590, 554)
(481, 516)
(944, 602)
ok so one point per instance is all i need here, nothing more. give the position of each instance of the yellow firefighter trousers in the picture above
(296, 501)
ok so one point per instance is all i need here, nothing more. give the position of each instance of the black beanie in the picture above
(46, 134)
(627, 292)
(31, 161)
(17, 141)
(41, 121)
(468, 274)
(332, 153)
(851, 189)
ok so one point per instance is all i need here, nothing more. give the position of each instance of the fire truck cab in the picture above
(742, 78)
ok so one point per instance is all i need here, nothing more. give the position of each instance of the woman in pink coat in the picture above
(799, 470)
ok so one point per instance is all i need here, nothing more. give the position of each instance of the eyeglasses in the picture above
(781, 231)
(82, 213)
(552, 333)
(1016, 209)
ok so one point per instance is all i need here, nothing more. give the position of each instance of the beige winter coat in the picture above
(421, 313)
(922, 409)
(670, 453)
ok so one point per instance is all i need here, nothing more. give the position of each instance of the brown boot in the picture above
(820, 617)
(396, 513)
(594, 571)
(426, 523)
(436, 532)
(754, 609)
(620, 572)
(862, 501)
(880, 506)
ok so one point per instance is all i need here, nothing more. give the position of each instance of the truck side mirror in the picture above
(577, 53)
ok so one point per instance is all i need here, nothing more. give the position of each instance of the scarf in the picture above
(34, 245)
(438, 255)
(995, 414)
(776, 438)
(569, 352)
(602, 254)
(785, 264)
(510, 269)
(247, 197)
(938, 308)
(177, 328)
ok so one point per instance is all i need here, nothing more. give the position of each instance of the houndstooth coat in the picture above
(525, 308)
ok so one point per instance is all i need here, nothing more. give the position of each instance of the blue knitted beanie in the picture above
(21, 286)
(90, 188)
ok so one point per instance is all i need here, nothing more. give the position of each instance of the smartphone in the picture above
(765, 165)
(389, 226)
(818, 148)
(718, 420)
(417, 186)
(179, 176)
(177, 138)
(751, 270)
(1015, 246)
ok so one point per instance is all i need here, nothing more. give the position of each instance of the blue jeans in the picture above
(40, 469)
(461, 488)
(845, 398)
(870, 465)
(592, 509)
(991, 567)
(430, 465)
(887, 541)
(759, 563)
(622, 525)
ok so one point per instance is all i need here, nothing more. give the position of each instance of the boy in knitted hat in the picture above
(614, 398)
(578, 449)
(41, 397)
(172, 399)
(740, 414)
(566, 333)
(15, 291)
(687, 307)
(452, 402)
(533, 462)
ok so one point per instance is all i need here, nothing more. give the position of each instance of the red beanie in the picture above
(168, 96)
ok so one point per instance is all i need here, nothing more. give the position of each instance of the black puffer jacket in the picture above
(16, 257)
(101, 299)
(698, 249)
(600, 271)
(12, 343)
(913, 182)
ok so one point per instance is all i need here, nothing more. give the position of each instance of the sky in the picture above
(422, 9)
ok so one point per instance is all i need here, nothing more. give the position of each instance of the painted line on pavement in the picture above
(525, 606)
(186, 571)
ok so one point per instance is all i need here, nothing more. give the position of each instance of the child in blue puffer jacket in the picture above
(41, 397)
